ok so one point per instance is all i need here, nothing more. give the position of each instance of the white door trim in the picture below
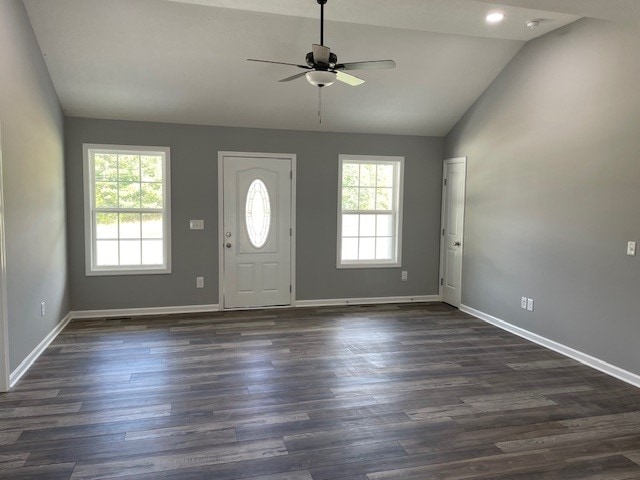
(221, 156)
(4, 328)
(442, 222)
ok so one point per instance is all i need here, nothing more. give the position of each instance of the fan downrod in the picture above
(322, 4)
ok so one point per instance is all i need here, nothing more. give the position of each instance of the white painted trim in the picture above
(442, 220)
(586, 359)
(221, 229)
(133, 312)
(37, 351)
(366, 300)
(399, 200)
(89, 226)
(294, 172)
(4, 318)
(294, 230)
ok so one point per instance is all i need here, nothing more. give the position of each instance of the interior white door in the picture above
(256, 231)
(4, 333)
(453, 198)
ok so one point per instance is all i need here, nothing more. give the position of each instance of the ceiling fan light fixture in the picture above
(321, 78)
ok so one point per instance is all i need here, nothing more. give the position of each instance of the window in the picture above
(127, 199)
(369, 211)
(258, 213)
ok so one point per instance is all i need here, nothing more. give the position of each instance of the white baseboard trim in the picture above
(24, 366)
(593, 362)
(366, 301)
(134, 312)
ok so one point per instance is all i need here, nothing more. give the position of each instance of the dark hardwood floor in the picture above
(394, 392)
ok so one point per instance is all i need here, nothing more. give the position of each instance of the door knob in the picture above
(456, 244)
(228, 245)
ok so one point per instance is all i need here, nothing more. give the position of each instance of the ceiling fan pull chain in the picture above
(320, 105)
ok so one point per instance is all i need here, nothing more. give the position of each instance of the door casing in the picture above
(256, 155)
(462, 160)
(4, 328)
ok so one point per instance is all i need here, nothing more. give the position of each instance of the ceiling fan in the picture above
(322, 68)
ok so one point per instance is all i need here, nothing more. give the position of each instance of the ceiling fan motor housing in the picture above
(333, 59)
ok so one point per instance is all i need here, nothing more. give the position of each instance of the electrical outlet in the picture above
(404, 275)
(199, 282)
(530, 304)
(42, 309)
(631, 249)
(523, 303)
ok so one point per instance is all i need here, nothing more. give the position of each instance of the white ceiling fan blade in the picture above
(321, 54)
(349, 79)
(371, 65)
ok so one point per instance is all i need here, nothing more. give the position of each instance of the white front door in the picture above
(453, 198)
(256, 230)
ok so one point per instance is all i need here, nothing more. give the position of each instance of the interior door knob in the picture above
(456, 244)
(228, 245)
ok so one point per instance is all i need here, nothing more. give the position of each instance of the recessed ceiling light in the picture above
(533, 24)
(495, 17)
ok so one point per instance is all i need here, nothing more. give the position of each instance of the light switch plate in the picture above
(403, 276)
(530, 304)
(631, 249)
(199, 282)
(523, 303)
(196, 224)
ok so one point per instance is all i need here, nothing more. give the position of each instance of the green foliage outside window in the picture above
(127, 181)
(367, 187)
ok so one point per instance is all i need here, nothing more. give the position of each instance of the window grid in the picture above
(130, 228)
(371, 197)
(143, 239)
(376, 238)
(122, 238)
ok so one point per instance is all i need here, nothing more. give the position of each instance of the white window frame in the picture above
(398, 200)
(91, 268)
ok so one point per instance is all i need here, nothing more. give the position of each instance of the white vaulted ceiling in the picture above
(184, 61)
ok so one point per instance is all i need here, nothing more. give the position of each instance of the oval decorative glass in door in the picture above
(258, 213)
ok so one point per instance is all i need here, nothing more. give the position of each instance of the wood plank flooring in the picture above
(391, 392)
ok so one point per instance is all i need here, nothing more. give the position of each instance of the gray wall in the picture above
(553, 190)
(194, 168)
(32, 150)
